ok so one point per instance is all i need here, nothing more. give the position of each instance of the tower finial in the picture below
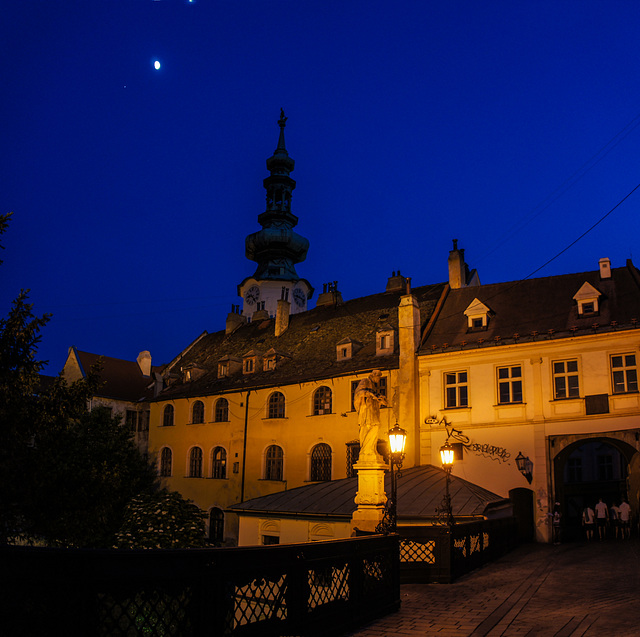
(282, 122)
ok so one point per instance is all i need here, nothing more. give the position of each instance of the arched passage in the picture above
(586, 470)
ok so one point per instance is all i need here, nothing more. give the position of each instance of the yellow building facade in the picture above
(543, 377)
(534, 382)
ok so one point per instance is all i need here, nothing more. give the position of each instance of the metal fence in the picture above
(296, 589)
(433, 554)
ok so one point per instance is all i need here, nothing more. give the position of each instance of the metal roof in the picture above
(420, 492)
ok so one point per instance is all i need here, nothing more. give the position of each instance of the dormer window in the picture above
(271, 359)
(191, 372)
(251, 362)
(347, 348)
(587, 298)
(229, 365)
(384, 342)
(478, 315)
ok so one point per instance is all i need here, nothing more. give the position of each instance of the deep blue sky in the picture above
(511, 126)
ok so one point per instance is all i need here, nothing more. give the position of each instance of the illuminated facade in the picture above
(544, 370)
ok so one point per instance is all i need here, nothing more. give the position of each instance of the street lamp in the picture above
(397, 441)
(525, 466)
(445, 513)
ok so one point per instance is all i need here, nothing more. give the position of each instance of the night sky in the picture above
(510, 126)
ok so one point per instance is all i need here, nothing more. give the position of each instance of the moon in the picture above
(156, 65)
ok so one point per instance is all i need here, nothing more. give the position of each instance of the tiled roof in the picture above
(120, 379)
(44, 382)
(420, 492)
(536, 309)
(309, 344)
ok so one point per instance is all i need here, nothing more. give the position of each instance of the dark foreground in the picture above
(568, 590)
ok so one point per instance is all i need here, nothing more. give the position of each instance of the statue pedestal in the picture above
(370, 497)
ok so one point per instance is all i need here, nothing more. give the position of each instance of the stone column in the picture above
(370, 497)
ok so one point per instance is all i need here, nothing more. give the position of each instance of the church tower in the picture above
(276, 248)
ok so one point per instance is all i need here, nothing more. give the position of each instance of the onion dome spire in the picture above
(277, 248)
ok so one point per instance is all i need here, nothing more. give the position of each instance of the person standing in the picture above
(556, 517)
(588, 518)
(625, 520)
(602, 515)
(614, 519)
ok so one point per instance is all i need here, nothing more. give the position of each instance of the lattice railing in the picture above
(327, 585)
(259, 600)
(411, 551)
(275, 590)
(145, 612)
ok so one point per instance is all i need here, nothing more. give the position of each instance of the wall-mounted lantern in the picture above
(525, 466)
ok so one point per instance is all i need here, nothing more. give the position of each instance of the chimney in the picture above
(330, 295)
(260, 314)
(605, 268)
(457, 268)
(234, 320)
(282, 316)
(144, 363)
(395, 282)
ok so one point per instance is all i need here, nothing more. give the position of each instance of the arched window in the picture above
(219, 463)
(276, 405)
(322, 401)
(167, 416)
(222, 410)
(195, 463)
(321, 462)
(166, 458)
(197, 413)
(216, 526)
(273, 463)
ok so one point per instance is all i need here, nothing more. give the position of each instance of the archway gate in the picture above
(587, 467)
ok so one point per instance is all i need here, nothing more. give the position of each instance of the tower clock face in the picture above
(252, 295)
(299, 297)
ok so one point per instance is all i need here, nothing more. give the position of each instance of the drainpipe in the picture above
(244, 446)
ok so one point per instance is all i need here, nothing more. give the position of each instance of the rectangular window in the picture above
(624, 373)
(565, 379)
(605, 467)
(574, 470)
(248, 365)
(353, 452)
(456, 389)
(510, 384)
(132, 420)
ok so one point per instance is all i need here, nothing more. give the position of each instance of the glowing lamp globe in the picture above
(447, 455)
(397, 439)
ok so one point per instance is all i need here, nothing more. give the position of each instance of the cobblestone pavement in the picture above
(577, 589)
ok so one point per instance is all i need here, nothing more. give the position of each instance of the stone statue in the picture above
(367, 403)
